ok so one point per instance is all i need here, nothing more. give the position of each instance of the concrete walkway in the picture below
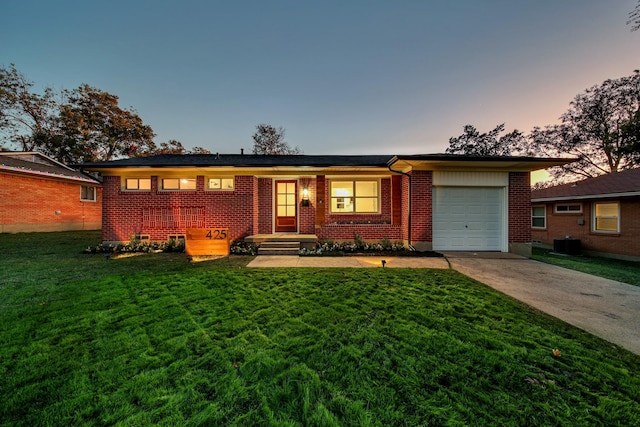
(605, 308)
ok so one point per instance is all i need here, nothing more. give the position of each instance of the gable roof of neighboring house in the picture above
(37, 164)
(621, 184)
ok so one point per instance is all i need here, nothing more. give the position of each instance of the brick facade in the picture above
(159, 213)
(625, 244)
(421, 207)
(249, 209)
(32, 204)
(519, 207)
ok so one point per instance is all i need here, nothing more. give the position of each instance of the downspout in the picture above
(408, 205)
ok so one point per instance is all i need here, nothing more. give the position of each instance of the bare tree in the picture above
(472, 142)
(269, 140)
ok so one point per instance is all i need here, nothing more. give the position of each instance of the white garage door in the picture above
(467, 218)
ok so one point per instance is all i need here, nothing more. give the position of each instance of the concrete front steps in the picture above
(279, 248)
(282, 244)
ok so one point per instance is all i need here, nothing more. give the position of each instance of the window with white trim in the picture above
(606, 217)
(137, 184)
(87, 193)
(359, 196)
(220, 184)
(178, 183)
(568, 208)
(539, 216)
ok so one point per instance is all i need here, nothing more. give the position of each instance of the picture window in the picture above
(354, 196)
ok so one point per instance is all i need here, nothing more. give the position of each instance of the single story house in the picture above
(602, 212)
(430, 202)
(41, 194)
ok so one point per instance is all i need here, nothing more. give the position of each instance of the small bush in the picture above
(135, 246)
(240, 247)
(333, 249)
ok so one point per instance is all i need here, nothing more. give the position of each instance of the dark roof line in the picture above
(257, 160)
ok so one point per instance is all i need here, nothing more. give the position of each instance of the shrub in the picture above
(240, 247)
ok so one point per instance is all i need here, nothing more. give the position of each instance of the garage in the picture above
(468, 218)
(469, 211)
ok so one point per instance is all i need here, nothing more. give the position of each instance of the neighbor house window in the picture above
(354, 196)
(569, 208)
(606, 217)
(220, 184)
(87, 193)
(178, 183)
(538, 216)
(137, 184)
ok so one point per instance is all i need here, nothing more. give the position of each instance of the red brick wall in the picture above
(161, 213)
(560, 225)
(265, 206)
(519, 207)
(405, 211)
(421, 206)
(307, 213)
(30, 204)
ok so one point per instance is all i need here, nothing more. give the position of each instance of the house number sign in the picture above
(207, 241)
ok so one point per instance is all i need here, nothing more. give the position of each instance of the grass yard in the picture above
(621, 271)
(154, 340)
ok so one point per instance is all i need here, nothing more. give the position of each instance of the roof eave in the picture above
(586, 197)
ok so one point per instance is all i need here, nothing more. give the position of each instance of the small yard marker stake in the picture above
(384, 261)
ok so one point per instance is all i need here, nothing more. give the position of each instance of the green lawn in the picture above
(154, 340)
(621, 271)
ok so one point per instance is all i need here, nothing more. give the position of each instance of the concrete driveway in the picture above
(605, 308)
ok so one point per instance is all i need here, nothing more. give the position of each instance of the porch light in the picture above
(305, 196)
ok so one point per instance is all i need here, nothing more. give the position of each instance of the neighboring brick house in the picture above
(431, 202)
(38, 193)
(602, 212)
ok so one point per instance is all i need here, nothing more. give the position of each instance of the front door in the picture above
(286, 206)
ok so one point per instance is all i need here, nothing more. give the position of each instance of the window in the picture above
(178, 184)
(137, 184)
(178, 238)
(354, 196)
(87, 193)
(606, 217)
(538, 216)
(220, 184)
(569, 208)
(141, 237)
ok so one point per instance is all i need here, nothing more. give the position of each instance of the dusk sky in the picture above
(342, 77)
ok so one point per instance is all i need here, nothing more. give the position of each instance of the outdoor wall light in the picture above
(305, 196)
